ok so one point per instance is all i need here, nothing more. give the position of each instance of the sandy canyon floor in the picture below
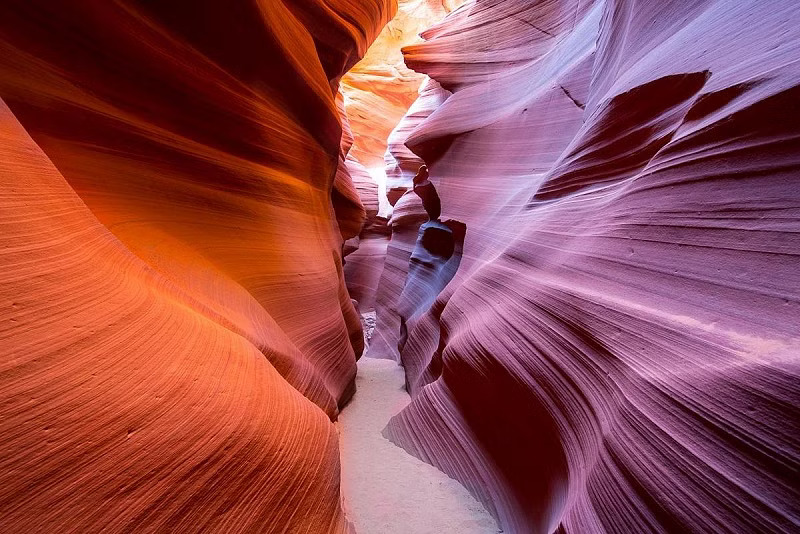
(386, 490)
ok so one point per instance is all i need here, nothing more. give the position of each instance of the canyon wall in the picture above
(380, 88)
(175, 329)
(377, 93)
(618, 349)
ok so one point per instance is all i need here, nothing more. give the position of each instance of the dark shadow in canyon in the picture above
(433, 263)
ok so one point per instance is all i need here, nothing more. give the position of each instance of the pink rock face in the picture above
(618, 351)
(402, 163)
(377, 92)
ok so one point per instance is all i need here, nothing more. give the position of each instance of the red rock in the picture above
(364, 268)
(171, 264)
(365, 186)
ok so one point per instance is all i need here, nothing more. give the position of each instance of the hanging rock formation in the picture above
(618, 350)
(175, 326)
(401, 163)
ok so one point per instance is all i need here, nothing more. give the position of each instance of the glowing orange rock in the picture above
(379, 89)
(171, 264)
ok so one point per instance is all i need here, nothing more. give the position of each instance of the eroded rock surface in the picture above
(176, 333)
(618, 351)
(380, 88)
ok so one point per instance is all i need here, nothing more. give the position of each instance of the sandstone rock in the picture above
(175, 323)
(618, 349)
(380, 88)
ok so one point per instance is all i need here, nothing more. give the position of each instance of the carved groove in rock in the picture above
(599, 334)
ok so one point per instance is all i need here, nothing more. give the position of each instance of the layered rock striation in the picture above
(380, 88)
(175, 326)
(618, 349)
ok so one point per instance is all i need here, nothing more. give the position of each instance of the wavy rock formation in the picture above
(351, 212)
(401, 163)
(175, 324)
(377, 92)
(365, 246)
(379, 89)
(618, 351)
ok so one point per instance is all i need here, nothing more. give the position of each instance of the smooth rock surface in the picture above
(618, 351)
(174, 325)
(379, 89)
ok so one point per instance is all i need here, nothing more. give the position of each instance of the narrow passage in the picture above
(385, 489)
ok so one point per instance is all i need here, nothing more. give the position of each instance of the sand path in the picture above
(385, 489)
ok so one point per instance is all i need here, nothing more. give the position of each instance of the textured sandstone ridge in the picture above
(401, 163)
(618, 351)
(379, 89)
(174, 321)
(377, 92)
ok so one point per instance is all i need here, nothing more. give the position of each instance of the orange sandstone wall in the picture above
(379, 89)
(174, 325)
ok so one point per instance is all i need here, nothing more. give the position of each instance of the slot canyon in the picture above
(400, 266)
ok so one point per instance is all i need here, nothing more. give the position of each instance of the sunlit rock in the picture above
(618, 350)
(174, 324)
(380, 88)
